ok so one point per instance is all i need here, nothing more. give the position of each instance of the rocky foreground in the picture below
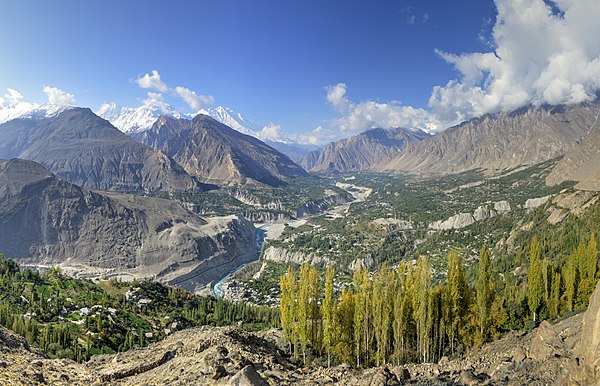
(562, 354)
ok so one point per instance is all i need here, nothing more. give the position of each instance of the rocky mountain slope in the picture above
(47, 221)
(215, 153)
(524, 137)
(361, 151)
(87, 150)
(563, 354)
(582, 163)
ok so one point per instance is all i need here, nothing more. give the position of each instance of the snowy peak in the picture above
(132, 120)
(31, 111)
(232, 119)
(135, 120)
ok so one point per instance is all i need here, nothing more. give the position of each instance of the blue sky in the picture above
(275, 61)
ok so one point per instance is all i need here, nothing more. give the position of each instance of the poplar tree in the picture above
(420, 303)
(456, 296)
(485, 293)
(570, 276)
(303, 311)
(368, 316)
(328, 312)
(534, 278)
(314, 319)
(287, 305)
(345, 331)
(554, 301)
(588, 263)
(398, 311)
(359, 313)
(388, 313)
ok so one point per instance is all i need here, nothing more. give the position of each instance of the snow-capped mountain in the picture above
(31, 111)
(131, 120)
(234, 120)
(135, 120)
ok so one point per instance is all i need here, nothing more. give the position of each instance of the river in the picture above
(273, 230)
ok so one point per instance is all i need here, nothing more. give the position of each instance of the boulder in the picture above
(533, 203)
(545, 343)
(482, 213)
(247, 377)
(502, 207)
(587, 350)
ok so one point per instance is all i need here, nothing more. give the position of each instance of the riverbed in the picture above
(273, 230)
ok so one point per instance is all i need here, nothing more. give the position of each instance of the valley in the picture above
(300, 193)
(105, 270)
(396, 218)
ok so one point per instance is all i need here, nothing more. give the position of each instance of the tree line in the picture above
(402, 314)
(45, 308)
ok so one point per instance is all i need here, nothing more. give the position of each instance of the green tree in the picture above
(571, 276)
(359, 314)
(345, 332)
(456, 297)
(554, 300)
(420, 302)
(534, 278)
(328, 312)
(287, 305)
(588, 264)
(484, 288)
(303, 311)
(315, 320)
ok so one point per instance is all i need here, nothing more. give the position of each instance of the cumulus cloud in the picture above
(152, 81)
(190, 97)
(317, 136)
(13, 105)
(195, 101)
(543, 53)
(57, 96)
(157, 100)
(336, 95)
(357, 117)
(271, 131)
(12, 97)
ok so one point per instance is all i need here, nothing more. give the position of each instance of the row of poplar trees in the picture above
(400, 315)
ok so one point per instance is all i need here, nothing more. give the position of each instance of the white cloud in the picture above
(317, 136)
(358, 117)
(13, 105)
(157, 101)
(542, 53)
(336, 95)
(12, 97)
(196, 102)
(271, 131)
(190, 97)
(57, 96)
(152, 81)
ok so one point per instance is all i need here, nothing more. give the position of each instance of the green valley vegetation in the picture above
(403, 314)
(74, 318)
(393, 222)
(298, 197)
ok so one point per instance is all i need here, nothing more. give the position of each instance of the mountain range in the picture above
(582, 162)
(84, 149)
(47, 221)
(361, 151)
(87, 150)
(215, 153)
(136, 120)
(495, 143)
